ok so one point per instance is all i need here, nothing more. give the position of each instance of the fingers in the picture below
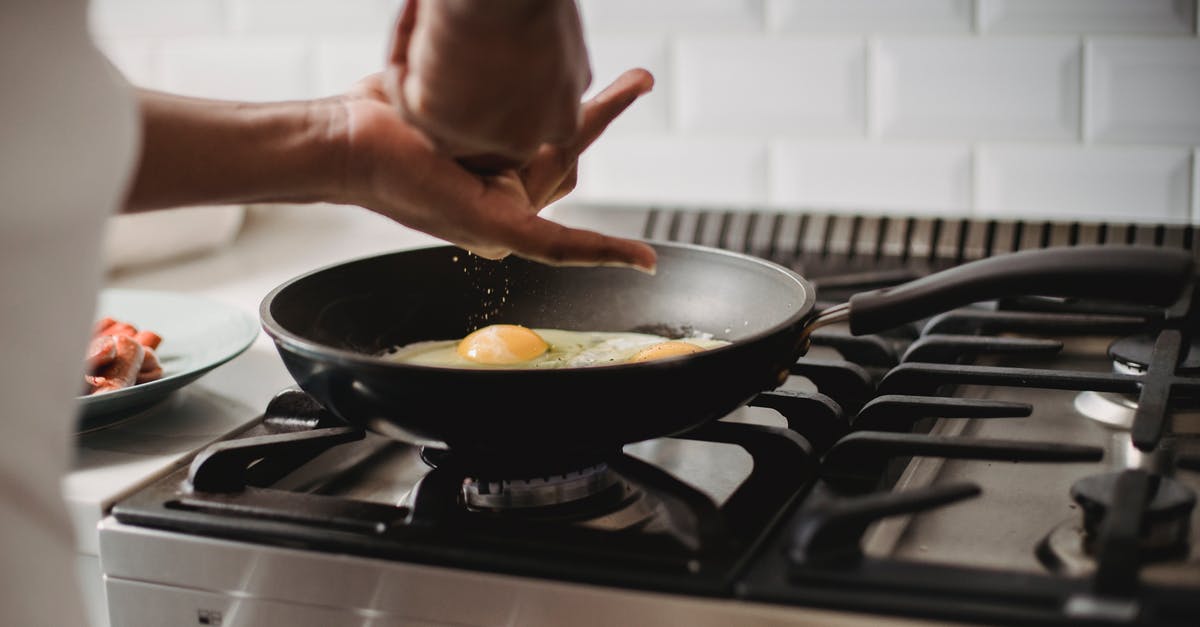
(552, 243)
(402, 36)
(605, 106)
(552, 164)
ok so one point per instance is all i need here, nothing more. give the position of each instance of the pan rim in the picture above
(342, 357)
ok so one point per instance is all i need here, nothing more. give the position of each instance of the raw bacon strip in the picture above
(121, 328)
(123, 371)
(149, 339)
(101, 351)
(101, 325)
(151, 370)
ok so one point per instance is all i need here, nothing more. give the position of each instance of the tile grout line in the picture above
(870, 89)
(1085, 65)
(672, 95)
(227, 17)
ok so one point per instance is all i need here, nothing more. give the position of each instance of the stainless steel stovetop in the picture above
(994, 464)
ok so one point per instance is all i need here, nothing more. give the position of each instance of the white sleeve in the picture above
(69, 125)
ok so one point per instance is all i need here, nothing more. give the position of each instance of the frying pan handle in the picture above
(1152, 276)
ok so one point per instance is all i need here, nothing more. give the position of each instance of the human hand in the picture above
(394, 169)
(489, 82)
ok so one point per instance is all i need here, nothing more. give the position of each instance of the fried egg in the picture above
(515, 346)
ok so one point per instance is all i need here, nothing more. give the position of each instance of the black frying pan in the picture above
(331, 325)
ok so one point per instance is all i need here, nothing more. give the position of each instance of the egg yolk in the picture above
(502, 344)
(664, 350)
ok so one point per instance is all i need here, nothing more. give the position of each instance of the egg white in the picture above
(568, 349)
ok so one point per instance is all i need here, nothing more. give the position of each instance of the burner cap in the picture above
(545, 491)
(1135, 352)
(1164, 521)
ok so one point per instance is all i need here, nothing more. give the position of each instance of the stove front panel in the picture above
(156, 578)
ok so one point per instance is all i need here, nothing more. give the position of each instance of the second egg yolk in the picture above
(501, 344)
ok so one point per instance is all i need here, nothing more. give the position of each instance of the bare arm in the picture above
(358, 149)
(197, 151)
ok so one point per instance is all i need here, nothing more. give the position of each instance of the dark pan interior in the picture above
(371, 305)
(329, 326)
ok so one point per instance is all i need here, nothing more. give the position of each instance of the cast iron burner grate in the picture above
(821, 561)
(692, 544)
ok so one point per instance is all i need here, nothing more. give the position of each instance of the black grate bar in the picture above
(881, 238)
(831, 533)
(872, 445)
(674, 225)
(898, 412)
(783, 466)
(748, 233)
(1118, 558)
(232, 465)
(801, 233)
(968, 321)
(776, 229)
(941, 348)
(312, 510)
(815, 416)
(651, 224)
(865, 350)
(723, 230)
(847, 383)
(1152, 412)
(922, 378)
(857, 460)
(1188, 461)
(698, 227)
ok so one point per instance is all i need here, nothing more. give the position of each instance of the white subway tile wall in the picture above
(767, 87)
(1071, 109)
(910, 177)
(1132, 183)
(978, 88)
(1144, 90)
(870, 16)
(667, 169)
(1150, 17)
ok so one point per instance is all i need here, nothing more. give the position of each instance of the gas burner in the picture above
(1118, 411)
(1112, 409)
(1070, 547)
(547, 491)
(1132, 354)
(1164, 521)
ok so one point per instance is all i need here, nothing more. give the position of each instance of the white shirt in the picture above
(68, 138)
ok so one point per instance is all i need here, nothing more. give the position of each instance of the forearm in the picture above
(197, 152)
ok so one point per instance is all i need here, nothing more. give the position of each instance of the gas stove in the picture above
(1027, 460)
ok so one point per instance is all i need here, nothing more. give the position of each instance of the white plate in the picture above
(197, 335)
